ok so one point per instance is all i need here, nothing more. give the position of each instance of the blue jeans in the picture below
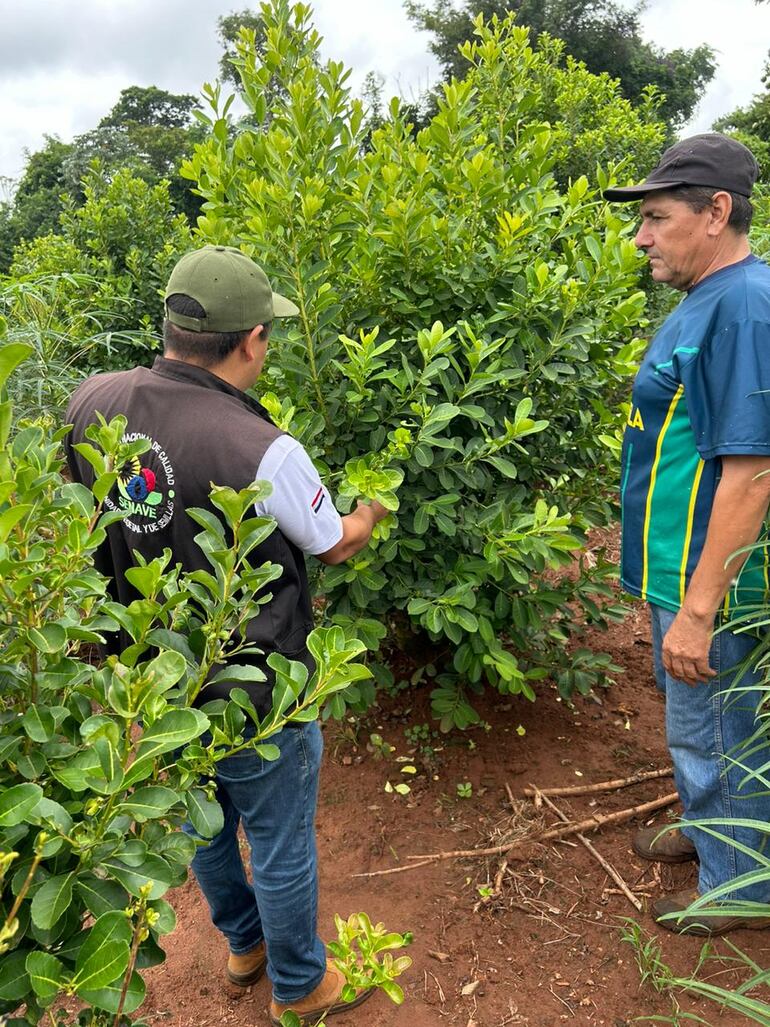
(276, 802)
(704, 724)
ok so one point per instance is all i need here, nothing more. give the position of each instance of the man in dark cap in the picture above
(694, 491)
(203, 427)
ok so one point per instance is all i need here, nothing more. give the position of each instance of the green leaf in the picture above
(150, 954)
(51, 901)
(393, 991)
(594, 248)
(11, 517)
(239, 672)
(48, 811)
(14, 979)
(109, 997)
(149, 803)
(505, 467)
(48, 639)
(38, 723)
(101, 896)
(177, 847)
(140, 770)
(232, 504)
(100, 726)
(46, 974)
(75, 773)
(154, 871)
(97, 968)
(174, 729)
(290, 1019)
(114, 925)
(17, 802)
(268, 752)
(165, 670)
(164, 639)
(108, 779)
(205, 816)
(11, 355)
(166, 921)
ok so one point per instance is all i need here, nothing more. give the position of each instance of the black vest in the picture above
(202, 430)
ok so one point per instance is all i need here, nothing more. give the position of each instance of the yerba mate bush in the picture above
(100, 765)
(487, 322)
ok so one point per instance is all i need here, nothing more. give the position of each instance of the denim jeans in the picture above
(704, 724)
(276, 802)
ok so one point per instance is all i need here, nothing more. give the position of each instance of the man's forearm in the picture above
(356, 532)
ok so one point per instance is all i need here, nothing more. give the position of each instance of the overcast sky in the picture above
(63, 63)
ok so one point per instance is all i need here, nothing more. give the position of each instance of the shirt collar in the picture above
(720, 272)
(182, 371)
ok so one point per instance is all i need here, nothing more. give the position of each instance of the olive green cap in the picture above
(231, 288)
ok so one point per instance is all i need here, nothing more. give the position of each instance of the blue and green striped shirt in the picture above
(702, 392)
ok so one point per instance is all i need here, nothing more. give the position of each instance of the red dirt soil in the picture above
(549, 950)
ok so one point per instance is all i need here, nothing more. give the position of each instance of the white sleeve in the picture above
(299, 502)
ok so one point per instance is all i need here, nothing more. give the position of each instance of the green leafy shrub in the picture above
(100, 765)
(66, 339)
(115, 252)
(488, 321)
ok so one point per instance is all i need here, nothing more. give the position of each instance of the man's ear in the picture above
(253, 344)
(721, 209)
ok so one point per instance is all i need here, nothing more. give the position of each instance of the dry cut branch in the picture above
(607, 867)
(590, 824)
(601, 786)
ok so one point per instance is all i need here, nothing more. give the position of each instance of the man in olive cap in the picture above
(203, 427)
(694, 491)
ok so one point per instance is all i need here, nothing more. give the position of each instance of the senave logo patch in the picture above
(145, 489)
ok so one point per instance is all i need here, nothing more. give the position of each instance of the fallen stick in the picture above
(601, 786)
(394, 870)
(556, 832)
(607, 867)
(590, 824)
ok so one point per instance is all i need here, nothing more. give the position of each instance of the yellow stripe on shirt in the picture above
(653, 475)
(688, 533)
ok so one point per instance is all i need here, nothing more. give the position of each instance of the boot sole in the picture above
(244, 980)
(311, 1017)
(701, 930)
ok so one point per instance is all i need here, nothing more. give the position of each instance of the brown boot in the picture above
(703, 922)
(673, 846)
(325, 1001)
(247, 967)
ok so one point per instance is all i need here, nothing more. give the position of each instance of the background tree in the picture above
(148, 133)
(150, 106)
(751, 124)
(36, 203)
(601, 33)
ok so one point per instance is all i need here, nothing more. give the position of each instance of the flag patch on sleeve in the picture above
(318, 500)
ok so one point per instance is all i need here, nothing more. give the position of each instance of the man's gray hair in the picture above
(698, 197)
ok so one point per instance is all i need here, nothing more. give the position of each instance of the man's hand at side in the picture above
(356, 532)
(686, 647)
